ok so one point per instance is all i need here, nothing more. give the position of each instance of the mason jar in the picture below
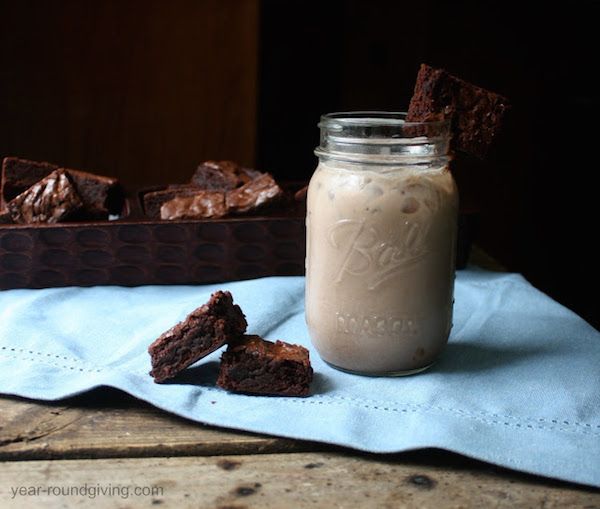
(381, 232)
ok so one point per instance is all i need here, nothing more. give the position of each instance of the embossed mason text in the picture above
(374, 325)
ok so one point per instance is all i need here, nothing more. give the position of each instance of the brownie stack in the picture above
(41, 192)
(216, 189)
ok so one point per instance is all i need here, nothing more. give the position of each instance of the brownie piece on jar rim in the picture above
(477, 114)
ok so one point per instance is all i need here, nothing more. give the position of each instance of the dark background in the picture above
(145, 90)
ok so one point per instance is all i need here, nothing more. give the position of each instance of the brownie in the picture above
(20, 174)
(255, 194)
(300, 195)
(5, 217)
(203, 331)
(222, 175)
(256, 366)
(50, 200)
(154, 200)
(476, 113)
(100, 195)
(201, 205)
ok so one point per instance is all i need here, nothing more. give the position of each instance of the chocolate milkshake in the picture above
(381, 230)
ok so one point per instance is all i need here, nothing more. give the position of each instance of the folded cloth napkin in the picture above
(518, 385)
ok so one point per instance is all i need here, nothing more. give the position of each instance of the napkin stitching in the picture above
(46, 358)
(486, 416)
(340, 400)
(382, 406)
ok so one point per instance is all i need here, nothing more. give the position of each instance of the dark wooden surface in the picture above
(140, 89)
(108, 438)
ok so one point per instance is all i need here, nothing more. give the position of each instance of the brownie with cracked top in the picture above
(202, 332)
(201, 205)
(222, 175)
(50, 200)
(255, 194)
(154, 200)
(100, 195)
(477, 114)
(254, 365)
(20, 174)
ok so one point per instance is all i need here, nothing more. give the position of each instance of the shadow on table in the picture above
(473, 357)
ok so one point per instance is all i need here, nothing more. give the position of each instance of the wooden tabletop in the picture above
(107, 449)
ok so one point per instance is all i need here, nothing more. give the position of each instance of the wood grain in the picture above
(143, 90)
(299, 480)
(109, 424)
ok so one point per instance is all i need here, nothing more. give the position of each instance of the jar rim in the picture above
(374, 117)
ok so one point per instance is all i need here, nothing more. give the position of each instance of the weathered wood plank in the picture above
(108, 423)
(298, 480)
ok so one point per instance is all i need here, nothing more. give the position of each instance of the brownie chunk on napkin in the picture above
(256, 366)
(203, 331)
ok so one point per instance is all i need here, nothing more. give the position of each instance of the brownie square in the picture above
(154, 200)
(222, 175)
(20, 174)
(100, 195)
(201, 205)
(5, 217)
(50, 200)
(255, 194)
(203, 331)
(476, 113)
(256, 366)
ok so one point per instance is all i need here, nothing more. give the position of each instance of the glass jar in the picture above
(381, 233)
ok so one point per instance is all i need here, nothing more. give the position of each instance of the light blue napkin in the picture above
(518, 386)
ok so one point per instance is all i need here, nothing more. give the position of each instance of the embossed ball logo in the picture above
(377, 256)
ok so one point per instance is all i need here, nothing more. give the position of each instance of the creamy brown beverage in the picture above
(381, 230)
